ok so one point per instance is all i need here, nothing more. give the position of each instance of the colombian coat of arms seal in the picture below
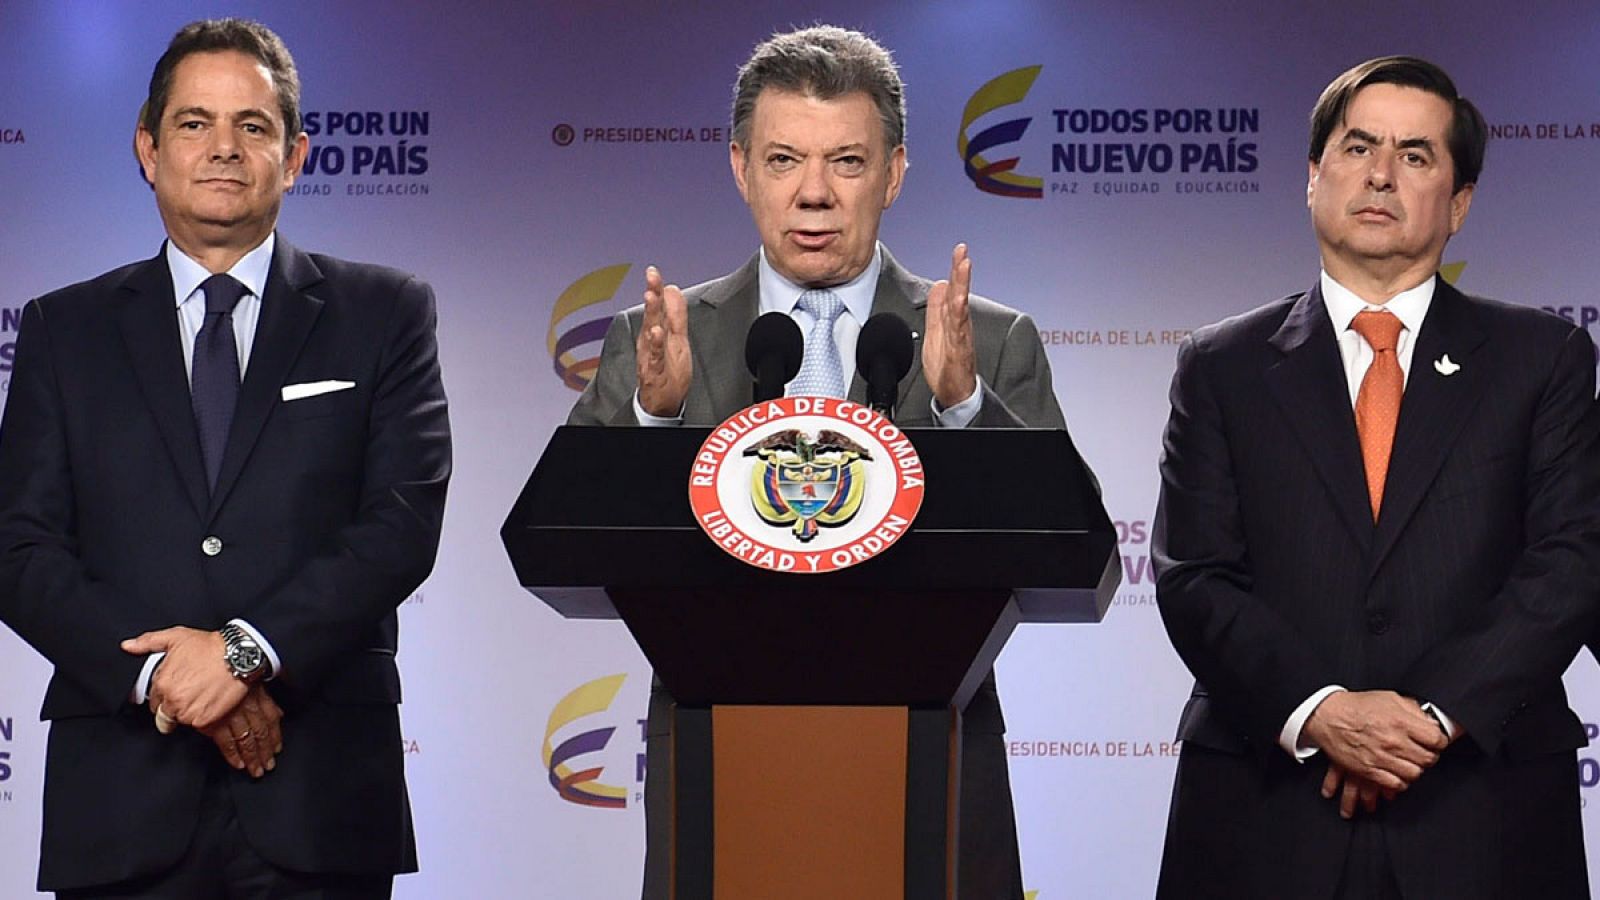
(806, 484)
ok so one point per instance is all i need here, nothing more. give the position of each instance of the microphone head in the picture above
(774, 338)
(884, 340)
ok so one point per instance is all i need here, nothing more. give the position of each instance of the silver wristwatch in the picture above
(243, 655)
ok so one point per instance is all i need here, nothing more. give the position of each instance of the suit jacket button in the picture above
(1377, 623)
(211, 546)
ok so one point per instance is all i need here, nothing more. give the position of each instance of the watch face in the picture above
(245, 658)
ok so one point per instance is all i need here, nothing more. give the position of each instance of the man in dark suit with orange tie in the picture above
(224, 468)
(1378, 547)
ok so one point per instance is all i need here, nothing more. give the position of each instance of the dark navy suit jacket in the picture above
(328, 509)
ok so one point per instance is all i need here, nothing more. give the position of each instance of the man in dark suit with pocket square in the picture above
(225, 468)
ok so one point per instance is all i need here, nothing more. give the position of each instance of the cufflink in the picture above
(1433, 713)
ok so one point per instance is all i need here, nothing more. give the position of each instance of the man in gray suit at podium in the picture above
(818, 154)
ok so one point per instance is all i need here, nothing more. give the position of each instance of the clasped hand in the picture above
(1378, 744)
(193, 686)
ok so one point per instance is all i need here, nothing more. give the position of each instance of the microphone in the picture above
(772, 352)
(883, 356)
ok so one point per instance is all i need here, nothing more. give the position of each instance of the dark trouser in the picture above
(1368, 873)
(220, 864)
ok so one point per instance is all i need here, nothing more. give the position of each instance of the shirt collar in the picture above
(779, 294)
(1410, 306)
(251, 270)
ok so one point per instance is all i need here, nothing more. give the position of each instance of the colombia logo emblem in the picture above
(582, 785)
(998, 177)
(806, 484)
(597, 287)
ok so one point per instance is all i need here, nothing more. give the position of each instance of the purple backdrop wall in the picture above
(509, 162)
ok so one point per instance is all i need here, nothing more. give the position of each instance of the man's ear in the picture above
(1460, 202)
(144, 148)
(295, 161)
(737, 160)
(897, 175)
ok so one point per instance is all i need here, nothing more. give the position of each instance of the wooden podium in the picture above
(815, 746)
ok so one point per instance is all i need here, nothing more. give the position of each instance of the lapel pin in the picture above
(915, 335)
(1444, 366)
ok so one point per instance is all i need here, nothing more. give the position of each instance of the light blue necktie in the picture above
(821, 372)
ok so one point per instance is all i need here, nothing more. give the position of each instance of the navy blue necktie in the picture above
(214, 375)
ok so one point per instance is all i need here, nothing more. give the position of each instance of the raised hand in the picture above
(662, 348)
(948, 359)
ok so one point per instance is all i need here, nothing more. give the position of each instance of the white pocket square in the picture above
(313, 388)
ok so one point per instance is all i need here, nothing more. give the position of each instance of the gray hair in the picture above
(825, 62)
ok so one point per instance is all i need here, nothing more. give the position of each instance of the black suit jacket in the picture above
(1017, 393)
(328, 509)
(1474, 589)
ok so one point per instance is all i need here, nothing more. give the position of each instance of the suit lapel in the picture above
(717, 327)
(148, 319)
(901, 294)
(1309, 386)
(721, 320)
(1433, 410)
(287, 314)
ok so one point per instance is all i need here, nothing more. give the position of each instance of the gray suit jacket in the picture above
(1011, 361)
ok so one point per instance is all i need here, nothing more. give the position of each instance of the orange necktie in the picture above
(1378, 401)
